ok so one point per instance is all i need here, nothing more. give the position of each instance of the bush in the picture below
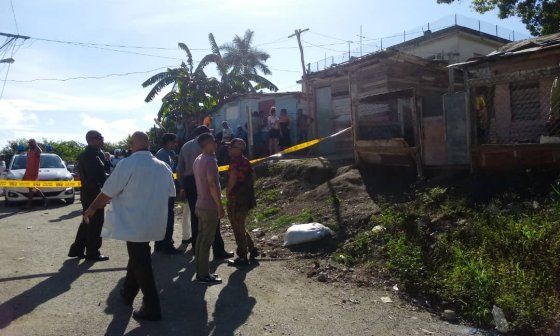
(473, 258)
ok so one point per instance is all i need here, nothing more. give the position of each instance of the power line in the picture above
(328, 36)
(14, 15)
(322, 47)
(8, 70)
(85, 77)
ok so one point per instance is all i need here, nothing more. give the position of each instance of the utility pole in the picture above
(305, 82)
(349, 51)
(297, 34)
(361, 37)
(11, 38)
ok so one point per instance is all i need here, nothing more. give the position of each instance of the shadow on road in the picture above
(44, 291)
(67, 216)
(183, 303)
(11, 210)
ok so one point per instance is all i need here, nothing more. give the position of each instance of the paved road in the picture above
(44, 293)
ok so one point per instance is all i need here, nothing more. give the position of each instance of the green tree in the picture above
(233, 79)
(245, 58)
(541, 17)
(192, 91)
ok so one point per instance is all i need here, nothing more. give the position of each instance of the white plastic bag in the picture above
(304, 233)
(186, 223)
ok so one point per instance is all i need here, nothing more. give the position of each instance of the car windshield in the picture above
(47, 161)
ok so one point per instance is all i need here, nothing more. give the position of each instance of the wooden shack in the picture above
(393, 100)
(514, 124)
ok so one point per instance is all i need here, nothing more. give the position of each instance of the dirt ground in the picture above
(42, 292)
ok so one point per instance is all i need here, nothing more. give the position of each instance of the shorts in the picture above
(274, 134)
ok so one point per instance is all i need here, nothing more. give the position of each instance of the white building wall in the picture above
(454, 47)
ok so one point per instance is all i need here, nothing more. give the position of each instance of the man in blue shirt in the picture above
(166, 154)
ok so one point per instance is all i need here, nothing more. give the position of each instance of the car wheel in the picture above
(70, 200)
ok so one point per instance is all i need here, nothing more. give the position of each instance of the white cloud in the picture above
(114, 130)
(49, 122)
(14, 117)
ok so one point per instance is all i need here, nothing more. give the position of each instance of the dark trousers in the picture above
(88, 237)
(167, 241)
(189, 185)
(140, 276)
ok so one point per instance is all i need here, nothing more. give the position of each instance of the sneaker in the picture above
(254, 254)
(238, 262)
(211, 279)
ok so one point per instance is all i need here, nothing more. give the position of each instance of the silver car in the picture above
(51, 168)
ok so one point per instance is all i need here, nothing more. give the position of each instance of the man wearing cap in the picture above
(189, 152)
(241, 199)
(92, 174)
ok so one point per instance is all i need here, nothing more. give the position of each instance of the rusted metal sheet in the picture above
(434, 153)
(507, 157)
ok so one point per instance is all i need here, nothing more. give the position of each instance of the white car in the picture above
(51, 168)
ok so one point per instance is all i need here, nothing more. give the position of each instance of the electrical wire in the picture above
(322, 47)
(7, 71)
(327, 36)
(85, 77)
(14, 15)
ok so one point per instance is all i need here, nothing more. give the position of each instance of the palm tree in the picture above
(243, 57)
(232, 79)
(192, 91)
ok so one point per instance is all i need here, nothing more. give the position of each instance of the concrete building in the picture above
(453, 44)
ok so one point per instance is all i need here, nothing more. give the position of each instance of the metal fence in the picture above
(516, 108)
(370, 44)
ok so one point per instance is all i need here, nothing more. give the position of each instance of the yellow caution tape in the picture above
(77, 184)
(40, 184)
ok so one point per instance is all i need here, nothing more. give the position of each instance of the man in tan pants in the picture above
(209, 209)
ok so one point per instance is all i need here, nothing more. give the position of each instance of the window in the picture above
(525, 101)
(47, 161)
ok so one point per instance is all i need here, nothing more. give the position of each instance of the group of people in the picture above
(279, 129)
(140, 198)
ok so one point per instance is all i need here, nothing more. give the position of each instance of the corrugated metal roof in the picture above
(512, 49)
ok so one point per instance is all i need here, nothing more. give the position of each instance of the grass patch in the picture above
(505, 254)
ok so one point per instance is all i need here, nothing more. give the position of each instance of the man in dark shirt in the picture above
(92, 174)
(166, 154)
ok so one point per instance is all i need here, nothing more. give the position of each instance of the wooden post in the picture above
(417, 119)
(353, 90)
(250, 130)
(469, 120)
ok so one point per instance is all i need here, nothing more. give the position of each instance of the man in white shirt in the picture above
(138, 192)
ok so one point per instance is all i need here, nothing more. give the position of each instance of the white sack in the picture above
(304, 233)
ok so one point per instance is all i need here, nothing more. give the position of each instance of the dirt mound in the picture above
(313, 189)
(311, 171)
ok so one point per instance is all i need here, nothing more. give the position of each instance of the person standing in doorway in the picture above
(227, 132)
(138, 189)
(303, 123)
(166, 155)
(209, 208)
(189, 152)
(92, 174)
(241, 199)
(273, 131)
(285, 123)
(207, 121)
(32, 170)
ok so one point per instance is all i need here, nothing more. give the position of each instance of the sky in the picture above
(65, 110)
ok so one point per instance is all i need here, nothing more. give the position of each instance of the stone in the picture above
(322, 277)
(378, 229)
(449, 315)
